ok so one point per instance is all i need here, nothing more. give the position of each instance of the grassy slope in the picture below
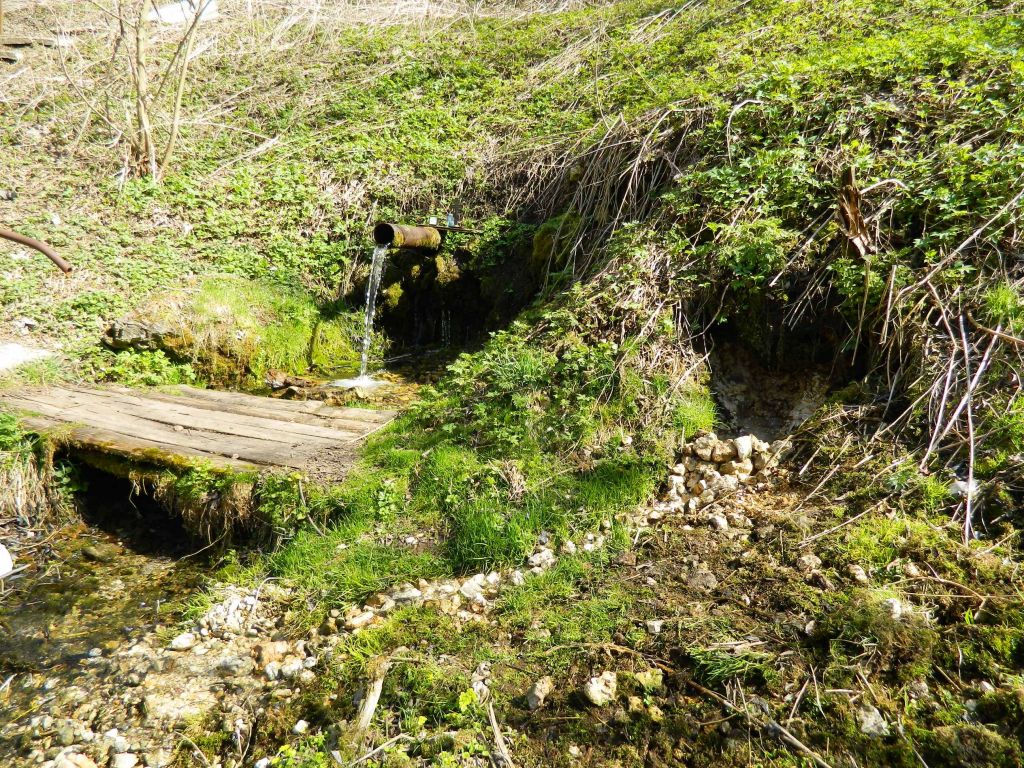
(528, 434)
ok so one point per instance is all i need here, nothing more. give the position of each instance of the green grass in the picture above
(1004, 306)
(715, 667)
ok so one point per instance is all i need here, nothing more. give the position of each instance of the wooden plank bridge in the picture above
(225, 429)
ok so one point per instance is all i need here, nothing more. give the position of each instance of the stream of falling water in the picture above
(364, 380)
(380, 253)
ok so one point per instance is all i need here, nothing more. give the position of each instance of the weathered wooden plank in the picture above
(231, 430)
(262, 427)
(153, 451)
(316, 407)
(282, 417)
(248, 449)
(270, 405)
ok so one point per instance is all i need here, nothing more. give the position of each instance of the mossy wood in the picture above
(176, 426)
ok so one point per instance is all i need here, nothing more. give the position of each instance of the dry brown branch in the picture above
(969, 496)
(997, 332)
(377, 669)
(185, 46)
(504, 758)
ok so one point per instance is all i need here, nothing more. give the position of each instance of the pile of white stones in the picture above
(467, 599)
(709, 468)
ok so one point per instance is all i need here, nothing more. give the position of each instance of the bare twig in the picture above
(377, 668)
(505, 760)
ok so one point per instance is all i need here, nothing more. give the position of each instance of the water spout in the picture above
(404, 236)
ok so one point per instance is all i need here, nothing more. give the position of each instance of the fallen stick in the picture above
(336, 755)
(378, 668)
(499, 739)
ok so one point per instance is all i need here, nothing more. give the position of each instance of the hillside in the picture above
(709, 441)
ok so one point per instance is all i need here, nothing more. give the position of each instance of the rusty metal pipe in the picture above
(405, 236)
(38, 245)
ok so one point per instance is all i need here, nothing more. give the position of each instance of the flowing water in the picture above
(380, 253)
(364, 380)
(91, 588)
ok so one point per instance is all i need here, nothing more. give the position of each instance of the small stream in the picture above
(91, 586)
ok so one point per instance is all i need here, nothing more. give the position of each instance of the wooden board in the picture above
(227, 429)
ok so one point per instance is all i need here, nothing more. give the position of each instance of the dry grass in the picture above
(215, 516)
(27, 490)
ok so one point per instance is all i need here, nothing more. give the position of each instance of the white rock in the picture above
(183, 642)
(300, 727)
(895, 608)
(291, 667)
(517, 578)
(73, 760)
(722, 484)
(857, 573)
(543, 558)
(703, 446)
(473, 587)
(718, 522)
(871, 721)
(808, 563)
(986, 687)
(538, 692)
(263, 762)
(736, 467)
(6, 562)
(124, 760)
(406, 595)
(654, 626)
(272, 670)
(360, 620)
(600, 690)
(723, 450)
(568, 548)
(744, 447)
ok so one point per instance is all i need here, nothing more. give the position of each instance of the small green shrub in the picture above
(147, 369)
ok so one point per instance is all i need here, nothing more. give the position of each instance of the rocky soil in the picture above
(134, 703)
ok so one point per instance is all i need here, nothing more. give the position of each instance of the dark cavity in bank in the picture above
(119, 571)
